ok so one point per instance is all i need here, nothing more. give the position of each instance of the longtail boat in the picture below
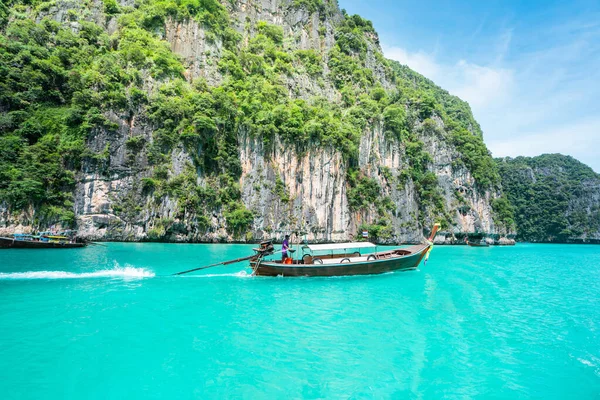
(44, 240)
(343, 259)
(483, 243)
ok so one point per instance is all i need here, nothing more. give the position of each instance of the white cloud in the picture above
(581, 139)
(481, 86)
(543, 103)
(421, 62)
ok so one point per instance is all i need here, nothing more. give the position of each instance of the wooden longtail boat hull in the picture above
(32, 244)
(401, 263)
(477, 244)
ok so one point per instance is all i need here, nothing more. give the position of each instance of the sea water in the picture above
(110, 322)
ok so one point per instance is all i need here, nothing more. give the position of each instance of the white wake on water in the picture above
(117, 272)
(240, 274)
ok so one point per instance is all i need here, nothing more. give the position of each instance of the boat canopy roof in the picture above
(339, 246)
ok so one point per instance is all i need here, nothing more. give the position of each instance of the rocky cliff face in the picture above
(286, 189)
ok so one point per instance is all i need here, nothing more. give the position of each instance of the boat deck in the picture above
(353, 258)
(374, 263)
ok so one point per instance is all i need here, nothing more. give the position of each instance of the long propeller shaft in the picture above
(255, 256)
(216, 264)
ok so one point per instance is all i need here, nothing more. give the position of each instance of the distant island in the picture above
(229, 121)
(555, 198)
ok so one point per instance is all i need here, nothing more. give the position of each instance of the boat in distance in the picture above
(44, 240)
(343, 259)
(483, 243)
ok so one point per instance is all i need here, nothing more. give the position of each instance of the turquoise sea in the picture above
(108, 322)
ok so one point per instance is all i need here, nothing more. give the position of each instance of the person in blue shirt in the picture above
(285, 247)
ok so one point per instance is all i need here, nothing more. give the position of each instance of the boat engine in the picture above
(266, 248)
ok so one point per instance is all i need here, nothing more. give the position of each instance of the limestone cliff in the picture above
(408, 167)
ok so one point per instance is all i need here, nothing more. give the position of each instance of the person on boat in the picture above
(285, 247)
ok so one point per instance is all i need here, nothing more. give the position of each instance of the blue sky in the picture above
(529, 69)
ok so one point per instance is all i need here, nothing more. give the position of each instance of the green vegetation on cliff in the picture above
(551, 198)
(56, 87)
(465, 132)
(64, 85)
